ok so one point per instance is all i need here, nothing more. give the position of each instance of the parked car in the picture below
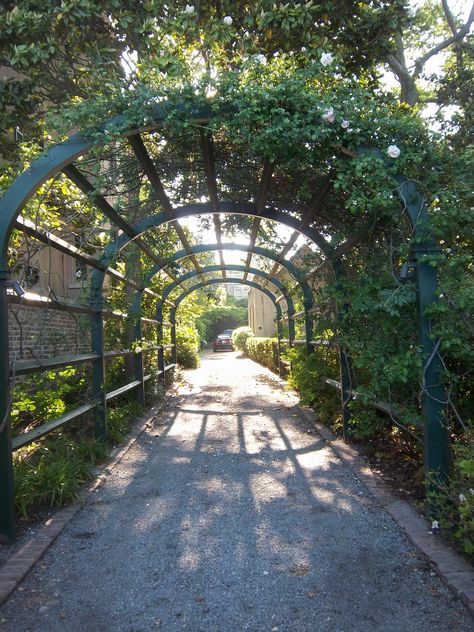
(223, 342)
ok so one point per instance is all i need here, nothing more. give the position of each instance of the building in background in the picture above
(237, 291)
(262, 314)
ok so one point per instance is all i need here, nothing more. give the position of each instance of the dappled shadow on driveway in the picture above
(231, 513)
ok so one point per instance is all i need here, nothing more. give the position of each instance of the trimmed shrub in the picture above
(264, 351)
(240, 337)
(308, 371)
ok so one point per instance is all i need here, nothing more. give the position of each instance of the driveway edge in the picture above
(453, 569)
(17, 567)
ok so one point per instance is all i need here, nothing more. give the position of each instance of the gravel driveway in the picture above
(231, 514)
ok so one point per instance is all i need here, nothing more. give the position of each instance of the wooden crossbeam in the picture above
(150, 171)
(314, 206)
(267, 173)
(210, 171)
(108, 210)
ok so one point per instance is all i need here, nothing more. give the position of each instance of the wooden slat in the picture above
(28, 437)
(30, 366)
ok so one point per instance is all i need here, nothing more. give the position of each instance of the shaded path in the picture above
(231, 514)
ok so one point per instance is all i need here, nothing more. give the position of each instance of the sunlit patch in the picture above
(189, 561)
(266, 488)
(182, 459)
(318, 459)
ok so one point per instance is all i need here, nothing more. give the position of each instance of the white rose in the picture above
(462, 498)
(393, 151)
(227, 20)
(189, 8)
(328, 115)
(326, 59)
(261, 59)
(345, 124)
(138, 349)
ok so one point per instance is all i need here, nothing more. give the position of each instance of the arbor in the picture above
(255, 110)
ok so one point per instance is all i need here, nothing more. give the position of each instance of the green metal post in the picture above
(346, 387)
(436, 437)
(291, 328)
(7, 512)
(279, 337)
(161, 342)
(344, 359)
(174, 351)
(138, 355)
(98, 365)
(308, 326)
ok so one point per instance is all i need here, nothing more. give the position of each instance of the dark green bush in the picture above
(307, 376)
(454, 502)
(51, 472)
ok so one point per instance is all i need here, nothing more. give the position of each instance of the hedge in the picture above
(264, 351)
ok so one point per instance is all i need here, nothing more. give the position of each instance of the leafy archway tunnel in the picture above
(123, 202)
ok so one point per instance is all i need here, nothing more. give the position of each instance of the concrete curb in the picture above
(16, 568)
(453, 569)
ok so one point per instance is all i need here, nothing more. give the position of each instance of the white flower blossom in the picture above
(471, 491)
(345, 124)
(327, 59)
(227, 20)
(79, 274)
(328, 115)
(138, 349)
(435, 525)
(462, 498)
(393, 151)
(189, 9)
(261, 59)
(303, 49)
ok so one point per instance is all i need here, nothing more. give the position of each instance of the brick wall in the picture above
(46, 333)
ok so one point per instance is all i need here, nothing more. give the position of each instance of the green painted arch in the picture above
(63, 154)
(234, 268)
(206, 208)
(258, 250)
(193, 288)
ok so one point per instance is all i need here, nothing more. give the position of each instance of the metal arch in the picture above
(228, 280)
(63, 154)
(218, 281)
(258, 250)
(235, 268)
(230, 208)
